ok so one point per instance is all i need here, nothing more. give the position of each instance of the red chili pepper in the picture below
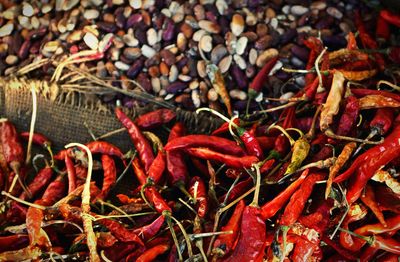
(224, 244)
(219, 144)
(382, 121)
(120, 232)
(282, 145)
(41, 180)
(351, 41)
(103, 147)
(311, 89)
(13, 242)
(368, 254)
(299, 199)
(157, 200)
(157, 168)
(177, 170)
(155, 119)
(141, 144)
(267, 166)
(152, 253)
(338, 248)
(270, 208)
(148, 231)
(360, 65)
(303, 249)
(139, 172)
(259, 80)
(390, 17)
(393, 224)
(361, 92)
(238, 190)
(34, 218)
(71, 173)
(37, 139)
(316, 47)
(349, 117)
(253, 148)
(110, 175)
(197, 184)
(349, 242)
(388, 244)
(388, 257)
(369, 200)
(382, 28)
(229, 160)
(55, 191)
(224, 128)
(266, 142)
(319, 220)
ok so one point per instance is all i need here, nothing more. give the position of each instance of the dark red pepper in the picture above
(201, 196)
(390, 17)
(120, 232)
(157, 200)
(110, 175)
(69, 164)
(148, 231)
(348, 120)
(157, 168)
(41, 180)
(177, 170)
(155, 119)
(259, 80)
(152, 253)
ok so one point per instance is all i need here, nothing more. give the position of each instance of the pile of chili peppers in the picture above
(314, 178)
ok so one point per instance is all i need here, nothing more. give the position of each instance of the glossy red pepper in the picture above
(393, 224)
(368, 198)
(41, 180)
(155, 119)
(253, 148)
(318, 220)
(349, 242)
(37, 139)
(110, 175)
(390, 17)
(224, 128)
(103, 147)
(152, 253)
(224, 244)
(120, 232)
(141, 144)
(148, 231)
(299, 199)
(266, 142)
(311, 89)
(229, 160)
(382, 121)
(176, 166)
(157, 200)
(259, 80)
(382, 30)
(216, 143)
(197, 185)
(139, 172)
(157, 168)
(270, 208)
(69, 164)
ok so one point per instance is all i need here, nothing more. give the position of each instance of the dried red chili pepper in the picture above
(148, 231)
(361, 92)
(356, 213)
(377, 101)
(266, 142)
(152, 253)
(157, 168)
(224, 128)
(303, 249)
(41, 180)
(382, 30)
(390, 17)
(368, 254)
(316, 47)
(103, 147)
(338, 248)
(120, 232)
(388, 257)
(250, 142)
(369, 200)
(259, 80)
(224, 244)
(219, 144)
(349, 117)
(157, 200)
(270, 208)
(110, 175)
(299, 199)
(39, 140)
(12, 149)
(138, 171)
(55, 191)
(382, 121)
(69, 164)
(13, 242)
(155, 118)
(141, 144)
(197, 185)
(392, 225)
(229, 160)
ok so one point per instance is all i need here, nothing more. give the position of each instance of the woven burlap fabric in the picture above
(66, 117)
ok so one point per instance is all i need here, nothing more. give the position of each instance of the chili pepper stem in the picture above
(32, 125)
(185, 235)
(230, 190)
(273, 109)
(285, 230)
(369, 240)
(343, 217)
(291, 140)
(22, 201)
(373, 133)
(254, 203)
(182, 188)
(383, 82)
(330, 134)
(116, 208)
(317, 67)
(144, 197)
(167, 216)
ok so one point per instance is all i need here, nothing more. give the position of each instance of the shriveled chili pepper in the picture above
(349, 117)
(358, 75)
(216, 143)
(300, 151)
(120, 232)
(157, 168)
(69, 164)
(55, 190)
(340, 161)
(270, 208)
(259, 80)
(392, 225)
(103, 147)
(382, 30)
(148, 231)
(224, 128)
(41, 180)
(157, 200)
(388, 257)
(110, 175)
(141, 144)
(197, 185)
(316, 47)
(382, 121)
(368, 198)
(39, 140)
(34, 218)
(388, 244)
(356, 213)
(152, 253)
(238, 190)
(13, 242)
(12, 149)
(390, 17)
(319, 220)
(252, 237)
(361, 92)
(303, 250)
(346, 55)
(155, 118)
(299, 199)
(139, 172)
(224, 244)
(229, 160)
(377, 101)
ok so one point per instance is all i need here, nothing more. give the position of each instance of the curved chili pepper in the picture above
(270, 208)
(299, 199)
(338, 248)
(219, 144)
(152, 253)
(110, 175)
(316, 47)
(229, 160)
(382, 121)
(319, 220)
(300, 151)
(361, 92)
(369, 200)
(71, 173)
(155, 118)
(13, 242)
(148, 231)
(224, 128)
(41, 180)
(197, 185)
(157, 168)
(55, 191)
(177, 170)
(157, 200)
(253, 148)
(388, 244)
(392, 225)
(120, 232)
(259, 80)
(141, 144)
(382, 28)
(356, 213)
(37, 139)
(238, 190)
(390, 17)
(103, 147)
(138, 171)
(224, 244)
(34, 218)
(349, 117)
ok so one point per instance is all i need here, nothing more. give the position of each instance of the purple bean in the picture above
(239, 76)
(141, 36)
(324, 23)
(288, 36)
(38, 33)
(107, 27)
(301, 53)
(133, 20)
(144, 80)
(23, 52)
(120, 19)
(135, 69)
(334, 41)
(169, 28)
(176, 87)
(168, 57)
